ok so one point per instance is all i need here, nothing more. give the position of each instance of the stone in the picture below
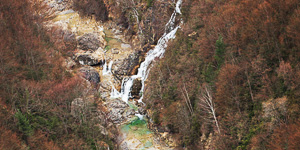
(125, 46)
(89, 41)
(87, 59)
(115, 51)
(130, 112)
(90, 74)
(142, 111)
(136, 88)
(69, 63)
(128, 66)
(117, 104)
(117, 110)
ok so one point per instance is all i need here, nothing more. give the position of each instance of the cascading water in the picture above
(107, 69)
(158, 51)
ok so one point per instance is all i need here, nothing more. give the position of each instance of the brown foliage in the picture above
(228, 88)
(96, 8)
(34, 83)
(285, 137)
(261, 62)
(10, 140)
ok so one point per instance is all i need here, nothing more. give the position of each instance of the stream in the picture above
(134, 133)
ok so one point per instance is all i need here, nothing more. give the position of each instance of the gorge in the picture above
(149, 74)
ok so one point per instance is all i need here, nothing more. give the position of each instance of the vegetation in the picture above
(36, 90)
(230, 79)
(96, 8)
(247, 53)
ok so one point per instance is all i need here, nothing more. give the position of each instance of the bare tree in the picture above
(208, 106)
(187, 98)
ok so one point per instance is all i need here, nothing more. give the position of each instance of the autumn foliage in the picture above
(247, 51)
(36, 90)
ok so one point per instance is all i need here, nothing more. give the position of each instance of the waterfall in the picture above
(107, 70)
(144, 69)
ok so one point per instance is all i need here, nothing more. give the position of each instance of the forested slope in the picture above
(243, 55)
(36, 90)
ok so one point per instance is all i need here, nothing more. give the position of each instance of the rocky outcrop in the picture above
(119, 111)
(128, 66)
(90, 74)
(89, 41)
(88, 59)
(136, 88)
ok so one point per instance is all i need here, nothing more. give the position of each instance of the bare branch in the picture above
(206, 102)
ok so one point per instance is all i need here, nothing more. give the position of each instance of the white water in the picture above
(107, 70)
(158, 51)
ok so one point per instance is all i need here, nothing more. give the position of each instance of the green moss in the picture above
(107, 47)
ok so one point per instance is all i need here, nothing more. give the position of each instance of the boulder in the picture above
(90, 74)
(136, 88)
(117, 108)
(89, 41)
(128, 66)
(87, 59)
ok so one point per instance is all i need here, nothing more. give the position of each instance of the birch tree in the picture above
(208, 106)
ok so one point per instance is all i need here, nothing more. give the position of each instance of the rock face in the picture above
(128, 66)
(89, 41)
(136, 88)
(90, 74)
(119, 111)
(87, 59)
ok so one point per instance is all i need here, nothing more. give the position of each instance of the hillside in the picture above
(240, 58)
(149, 74)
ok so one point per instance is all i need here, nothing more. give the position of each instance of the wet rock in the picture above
(142, 111)
(136, 88)
(128, 66)
(90, 74)
(87, 59)
(89, 41)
